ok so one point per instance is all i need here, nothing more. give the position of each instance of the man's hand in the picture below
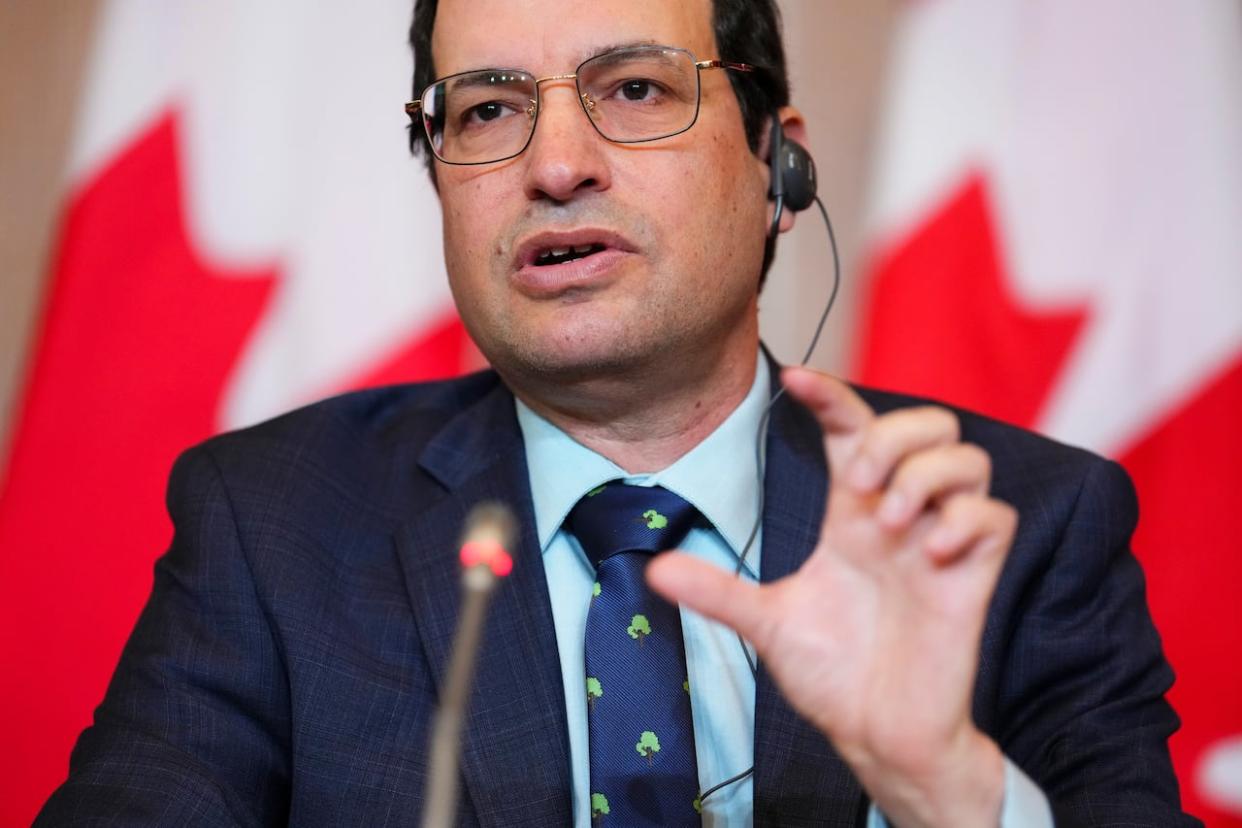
(875, 640)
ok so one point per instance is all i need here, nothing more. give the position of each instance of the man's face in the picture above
(677, 224)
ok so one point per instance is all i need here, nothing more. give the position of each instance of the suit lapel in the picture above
(515, 755)
(799, 779)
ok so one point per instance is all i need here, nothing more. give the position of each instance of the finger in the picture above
(837, 407)
(890, 438)
(709, 591)
(933, 474)
(972, 526)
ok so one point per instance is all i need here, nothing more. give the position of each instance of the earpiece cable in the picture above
(761, 455)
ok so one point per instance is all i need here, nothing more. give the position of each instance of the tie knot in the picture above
(616, 518)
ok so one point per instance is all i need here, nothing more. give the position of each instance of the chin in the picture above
(576, 360)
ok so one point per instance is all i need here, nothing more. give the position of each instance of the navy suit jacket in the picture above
(286, 666)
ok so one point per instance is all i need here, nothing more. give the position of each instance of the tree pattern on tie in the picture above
(599, 808)
(640, 733)
(594, 691)
(654, 519)
(639, 628)
(648, 745)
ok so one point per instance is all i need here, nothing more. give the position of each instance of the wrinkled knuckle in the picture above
(962, 509)
(947, 422)
(876, 440)
(912, 480)
(978, 454)
(1002, 519)
(1010, 517)
(979, 457)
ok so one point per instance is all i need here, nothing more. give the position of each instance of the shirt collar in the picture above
(719, 475)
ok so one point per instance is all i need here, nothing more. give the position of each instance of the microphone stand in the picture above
(490, 530)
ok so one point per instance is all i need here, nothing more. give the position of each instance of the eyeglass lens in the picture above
(631, 95)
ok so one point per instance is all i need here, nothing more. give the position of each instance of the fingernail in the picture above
(893, 508)
(864, 473)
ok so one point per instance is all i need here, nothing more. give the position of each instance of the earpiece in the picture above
(792, 183)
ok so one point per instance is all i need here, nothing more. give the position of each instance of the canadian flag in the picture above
(1057, 241)
(243, 231)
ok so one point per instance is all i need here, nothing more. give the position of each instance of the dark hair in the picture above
(747, 31)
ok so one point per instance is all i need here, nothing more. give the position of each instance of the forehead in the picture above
(552, 36)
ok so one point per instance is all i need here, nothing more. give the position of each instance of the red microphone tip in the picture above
(489, 553)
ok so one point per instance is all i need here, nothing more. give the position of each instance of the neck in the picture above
(645, 420)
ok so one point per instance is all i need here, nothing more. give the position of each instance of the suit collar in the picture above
(718, 475)
(515, 745)
(799, 779)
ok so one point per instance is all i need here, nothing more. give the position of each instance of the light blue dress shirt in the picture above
(719, 476)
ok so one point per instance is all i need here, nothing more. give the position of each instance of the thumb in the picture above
(709, 591)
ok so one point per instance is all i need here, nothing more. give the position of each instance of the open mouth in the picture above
(560, 255)
(550, 262)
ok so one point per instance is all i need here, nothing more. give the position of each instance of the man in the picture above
(946, 634)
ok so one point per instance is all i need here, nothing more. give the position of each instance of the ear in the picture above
(794, 127)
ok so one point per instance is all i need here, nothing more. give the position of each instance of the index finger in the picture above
(838, 408)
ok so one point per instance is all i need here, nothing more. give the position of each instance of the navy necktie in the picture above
(641, 735)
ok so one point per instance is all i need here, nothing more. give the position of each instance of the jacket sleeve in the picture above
(1082, 707)
(195, 726)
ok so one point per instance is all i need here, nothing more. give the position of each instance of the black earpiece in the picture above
(792, 183)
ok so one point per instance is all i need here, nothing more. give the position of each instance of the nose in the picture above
(566, 157)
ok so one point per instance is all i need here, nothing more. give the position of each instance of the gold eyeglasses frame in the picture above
(414, 109)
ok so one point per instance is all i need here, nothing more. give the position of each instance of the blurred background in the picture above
(209, 215)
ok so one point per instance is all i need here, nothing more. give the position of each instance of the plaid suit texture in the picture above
(285, 669)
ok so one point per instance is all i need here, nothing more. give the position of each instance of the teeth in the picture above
(561, 252)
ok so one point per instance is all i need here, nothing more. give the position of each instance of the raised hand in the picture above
(875, 640)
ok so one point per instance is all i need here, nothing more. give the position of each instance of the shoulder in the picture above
(362, 447)
(392, 414)
(1028, 468)
(389, 416)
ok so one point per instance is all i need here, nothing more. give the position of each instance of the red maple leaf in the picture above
(138, 337)
(938, 319)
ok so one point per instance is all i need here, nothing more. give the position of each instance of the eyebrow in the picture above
(491, 78)
(609, 55)
(629, 44)
(592, 53)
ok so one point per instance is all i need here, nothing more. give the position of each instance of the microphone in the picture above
(489, 533)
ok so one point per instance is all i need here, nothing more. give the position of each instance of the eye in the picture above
(639, 90)
(487, 111)
(636, 90)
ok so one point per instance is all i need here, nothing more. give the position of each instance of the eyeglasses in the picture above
(630, 95)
